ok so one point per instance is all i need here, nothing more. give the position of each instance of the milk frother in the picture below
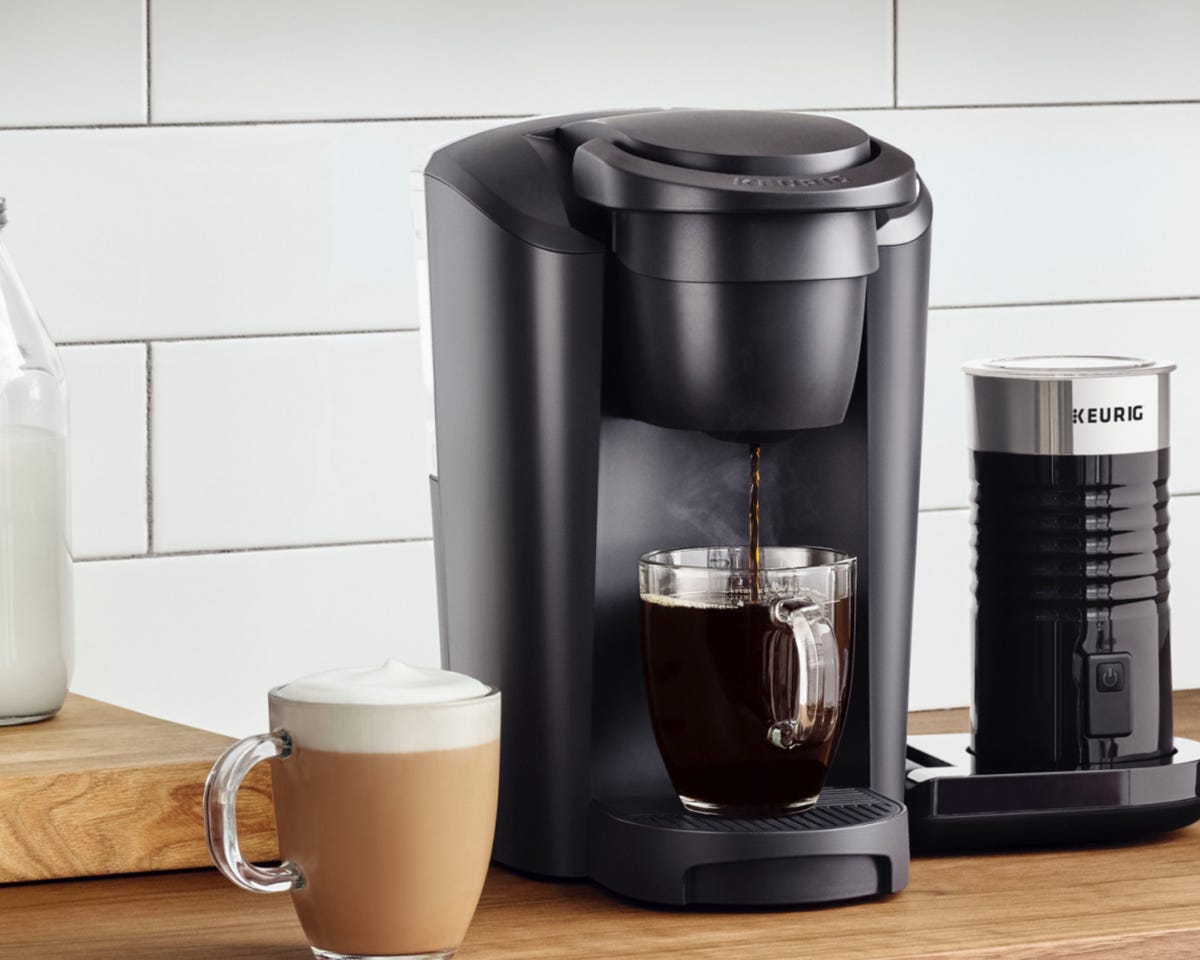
(1071, 714)
(1072, 622)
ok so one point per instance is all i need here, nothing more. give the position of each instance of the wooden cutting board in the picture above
(101, 790)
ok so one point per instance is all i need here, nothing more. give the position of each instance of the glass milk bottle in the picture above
(36, 615)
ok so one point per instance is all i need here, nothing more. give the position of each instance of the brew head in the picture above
(741, 359)
(741, 247)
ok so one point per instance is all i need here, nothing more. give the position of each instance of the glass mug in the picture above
(385, 784)
(747, 672)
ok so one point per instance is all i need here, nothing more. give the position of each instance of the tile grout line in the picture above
(414, 330)
(911, 108)
(149, 449)
(204, 124)
(238, 336)
(1190, 298)
(149, 116)
(230, 551)
(895, 53)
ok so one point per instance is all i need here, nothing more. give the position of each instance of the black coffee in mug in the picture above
(711, 694)
(746, 687)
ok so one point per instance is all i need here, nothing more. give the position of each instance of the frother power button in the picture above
(1110, 676)
(1109, 706)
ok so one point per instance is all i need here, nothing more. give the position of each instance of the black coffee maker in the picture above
(620, 303)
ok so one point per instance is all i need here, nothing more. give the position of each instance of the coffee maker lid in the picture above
(729, 161)
(751, 142)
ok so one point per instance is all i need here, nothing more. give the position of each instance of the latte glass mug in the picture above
(385, 784)
(747, 669)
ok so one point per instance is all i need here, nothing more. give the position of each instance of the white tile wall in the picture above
(217, 231)
(219, 243)
(1034, 51)
(202, 639)
(283, 59)
(941, 652)
(276, 442)
(72, 62)
(940, 674)
(108, 449)
(1167, 330)
(1051, 204)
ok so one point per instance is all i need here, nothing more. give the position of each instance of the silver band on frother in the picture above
(1068, 405)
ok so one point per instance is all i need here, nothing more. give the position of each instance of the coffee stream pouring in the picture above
(620, 304)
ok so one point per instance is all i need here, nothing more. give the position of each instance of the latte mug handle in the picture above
(801, 675)
(220, 814)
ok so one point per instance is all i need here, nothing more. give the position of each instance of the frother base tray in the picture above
(953, 808)
(853, 843)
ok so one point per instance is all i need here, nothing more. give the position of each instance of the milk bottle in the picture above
(36, 615)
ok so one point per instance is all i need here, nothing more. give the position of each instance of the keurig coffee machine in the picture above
(1071, 718)
(620, 304)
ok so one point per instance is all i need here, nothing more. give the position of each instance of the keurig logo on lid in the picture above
(1114, 415)
(831, 180)
(1106, 414)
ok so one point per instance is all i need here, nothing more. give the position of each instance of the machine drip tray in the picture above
(835, 808)
(953, 808)
(853, 843)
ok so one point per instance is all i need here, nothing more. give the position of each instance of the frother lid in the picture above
(1071, 405)
(1065, 367)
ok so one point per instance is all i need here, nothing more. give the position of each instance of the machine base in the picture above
(852, 844)
(953, 808)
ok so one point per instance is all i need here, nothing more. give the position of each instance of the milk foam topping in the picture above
(393, 708)
(393, 683)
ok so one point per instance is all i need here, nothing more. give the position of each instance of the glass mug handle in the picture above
(801, 675)
(220, 815)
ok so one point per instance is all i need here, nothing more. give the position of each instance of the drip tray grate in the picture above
(848, 807)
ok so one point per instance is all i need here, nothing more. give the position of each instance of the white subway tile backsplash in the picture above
(1050, 204)
(200, 640)
(282, 441)
(1031, 51)
(1167, 330)
(217, 231)
(280, 59)
(940, 674)
(941, 645)
(107, 387)
(221, 231)
(72, 62)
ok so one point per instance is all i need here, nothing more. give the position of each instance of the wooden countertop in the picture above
(1101, 903)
